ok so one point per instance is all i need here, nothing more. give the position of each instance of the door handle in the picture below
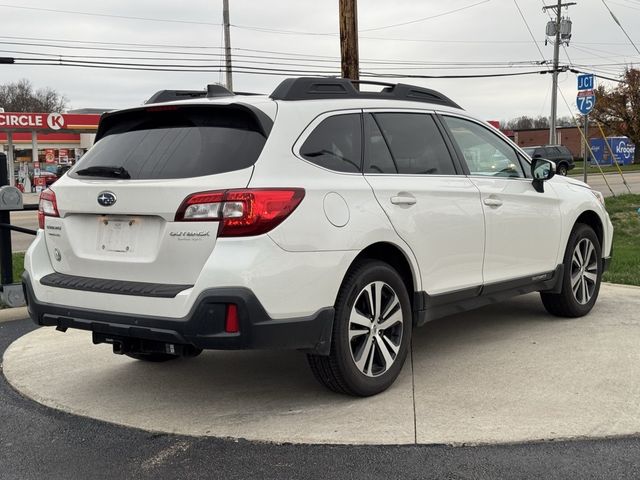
(492, 202)
(403, 200)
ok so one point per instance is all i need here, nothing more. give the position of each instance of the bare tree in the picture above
(520, 123)
(566, 122)
(21, 97)
(541, 122)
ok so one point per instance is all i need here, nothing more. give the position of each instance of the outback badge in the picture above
(106, 199)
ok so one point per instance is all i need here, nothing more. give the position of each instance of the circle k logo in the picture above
(55, 121)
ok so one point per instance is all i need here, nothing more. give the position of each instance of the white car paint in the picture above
(297, 268)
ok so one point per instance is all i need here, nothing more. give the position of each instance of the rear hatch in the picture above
(116, 209)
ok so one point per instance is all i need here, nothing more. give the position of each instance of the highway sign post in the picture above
(586, 100)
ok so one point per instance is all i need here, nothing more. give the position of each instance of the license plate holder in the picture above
(118, 234)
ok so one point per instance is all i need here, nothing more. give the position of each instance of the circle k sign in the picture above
(55, 121)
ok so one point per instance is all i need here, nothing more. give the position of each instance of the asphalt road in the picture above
(597, 182)
(37, 442)
(26, 219)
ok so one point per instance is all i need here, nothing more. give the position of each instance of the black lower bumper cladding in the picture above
(203, 327)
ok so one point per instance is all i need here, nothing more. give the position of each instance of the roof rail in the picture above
(315, 88)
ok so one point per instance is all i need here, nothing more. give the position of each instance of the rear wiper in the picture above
(98, 171)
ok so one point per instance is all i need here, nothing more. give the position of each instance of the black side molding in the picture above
(118, 287)
(431, 307)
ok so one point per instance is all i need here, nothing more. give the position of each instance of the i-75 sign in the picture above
(586, 100)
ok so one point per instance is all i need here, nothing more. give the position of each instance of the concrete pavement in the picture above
(11, 314)
(504, 373)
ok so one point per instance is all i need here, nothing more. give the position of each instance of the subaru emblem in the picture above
(106, 199)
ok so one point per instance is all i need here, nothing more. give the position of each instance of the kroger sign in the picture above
(625, 149)
(622, 148)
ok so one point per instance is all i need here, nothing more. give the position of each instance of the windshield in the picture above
(173, 142)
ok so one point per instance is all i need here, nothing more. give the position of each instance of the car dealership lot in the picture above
(505, 373)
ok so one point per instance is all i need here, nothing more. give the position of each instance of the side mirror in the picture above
(542, 170)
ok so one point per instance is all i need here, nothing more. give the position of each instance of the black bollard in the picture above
(6, 259)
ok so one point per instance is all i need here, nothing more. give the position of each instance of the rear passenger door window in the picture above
(415, 145)
(335, 144)
(378, 158)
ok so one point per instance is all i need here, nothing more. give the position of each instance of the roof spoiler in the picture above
(212, 90)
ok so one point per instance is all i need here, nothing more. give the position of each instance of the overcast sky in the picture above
(486, 31)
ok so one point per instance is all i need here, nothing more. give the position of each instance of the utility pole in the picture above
(227, 44)
(561, 37)
(349, 39)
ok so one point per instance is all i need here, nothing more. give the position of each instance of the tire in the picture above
(370, 340)
(580, 286)
(562, 169)
(157, 357)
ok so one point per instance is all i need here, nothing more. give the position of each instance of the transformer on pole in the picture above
(560, 28)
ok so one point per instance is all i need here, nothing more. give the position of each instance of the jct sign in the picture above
(32, 121)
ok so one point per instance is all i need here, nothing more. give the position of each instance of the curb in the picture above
(11, 314)
(622, 285)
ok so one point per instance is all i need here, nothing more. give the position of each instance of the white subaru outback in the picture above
(319, 218)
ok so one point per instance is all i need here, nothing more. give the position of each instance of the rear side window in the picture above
(335, 143)
(415, 142)
(551, 151)
(175, 142)
(564, 151)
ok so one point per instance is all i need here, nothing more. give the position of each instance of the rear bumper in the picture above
(203, 327)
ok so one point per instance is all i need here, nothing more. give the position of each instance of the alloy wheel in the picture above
(584, 271)
(376, 326)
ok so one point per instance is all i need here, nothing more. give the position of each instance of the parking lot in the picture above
(505, 373)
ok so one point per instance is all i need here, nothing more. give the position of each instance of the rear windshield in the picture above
(174, 142)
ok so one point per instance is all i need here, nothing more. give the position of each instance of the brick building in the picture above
(567, 136)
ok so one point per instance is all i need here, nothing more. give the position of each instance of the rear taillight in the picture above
(243, 212)
(47, 206)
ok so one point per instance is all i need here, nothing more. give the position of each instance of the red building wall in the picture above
(567, 136)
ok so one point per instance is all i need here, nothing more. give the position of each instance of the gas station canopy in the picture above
(44, 128)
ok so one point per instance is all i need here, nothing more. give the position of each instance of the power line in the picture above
(424, 18)
(124, 17)
(529, 29)
(248, 69)
(575, 70)
(627, 6)
(88, 42)
(501, 41)
(615, 19)
(251, 62)
(199, 56)
(376, 64)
